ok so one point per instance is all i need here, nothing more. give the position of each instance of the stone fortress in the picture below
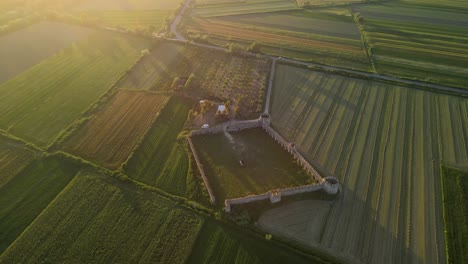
(328, 184)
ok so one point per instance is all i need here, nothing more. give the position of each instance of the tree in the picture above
(254, 47)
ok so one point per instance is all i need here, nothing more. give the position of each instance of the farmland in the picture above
(418, 42)
(14, 156)
(127, 5)
(385, 144)
(109, 137)
(224, 8)
(98, 218)
(40, 102)
(160, 160)
(222, 244)
(307, 35)
(24, 197)
(138, 19)
(48, 38)
(266, 165)
(455, 193)
(223, 76)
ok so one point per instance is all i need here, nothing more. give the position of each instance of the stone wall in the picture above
(202, 171)
(229, 127)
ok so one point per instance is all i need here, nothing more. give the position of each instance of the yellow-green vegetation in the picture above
(100, 219)
(49, 38)
(135, 19)
(162, 160)
(212, 8)
(97, 218)
(320, 36)
(266, 165)
(455, 197)
(385, 144)
(14, 156)
(112, 133)
(37, 104)
(217, 243)
(29, 192)
(417, 42)
(452, 4)
(127, 5)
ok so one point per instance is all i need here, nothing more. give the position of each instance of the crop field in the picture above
(128, 5)
(324, 37)
(243, 80)
(385, 143)
(99, 219)
(48, 37)
(223, 8)
(301, 220)
(14, 157)
(37, 104)
(220, 244)
(160, 160)
(453, 4)
(323, 3)
(417, 42)
(455, 194)
(267, 166)
(130, 19)
(110, 136)
(24, 197)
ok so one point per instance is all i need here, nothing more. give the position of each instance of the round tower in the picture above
(331, 185)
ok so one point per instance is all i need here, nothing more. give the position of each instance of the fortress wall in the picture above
(202, 171)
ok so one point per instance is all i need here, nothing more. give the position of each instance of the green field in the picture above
(418, 42)
(385, 144)
(100, 219)
(224, 8)
(267, 166)
(221, 244)
(455, 195)
(327, 37)
(48, 37)
(14, 156)
(127, 5)
(452, 4)
(40, 102)
(135, 19)
(161, 160)
(24, 197)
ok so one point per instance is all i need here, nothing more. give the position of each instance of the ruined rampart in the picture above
(202, 171)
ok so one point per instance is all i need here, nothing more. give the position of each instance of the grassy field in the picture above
(221, 244)
(324, 37)
(452, 4)
(49, 38)
(24, 197)
(99, 219)
(224, 8)
(418, 42)
(14, 157)
(160, 160)
(385, 144)
(221, 75)
(110, 136)
(267, 165)
(37, 104)
(136, 19)
(128, 5)
(455, 194)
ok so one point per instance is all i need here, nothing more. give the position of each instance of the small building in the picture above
(205, 126)
(221, 109)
